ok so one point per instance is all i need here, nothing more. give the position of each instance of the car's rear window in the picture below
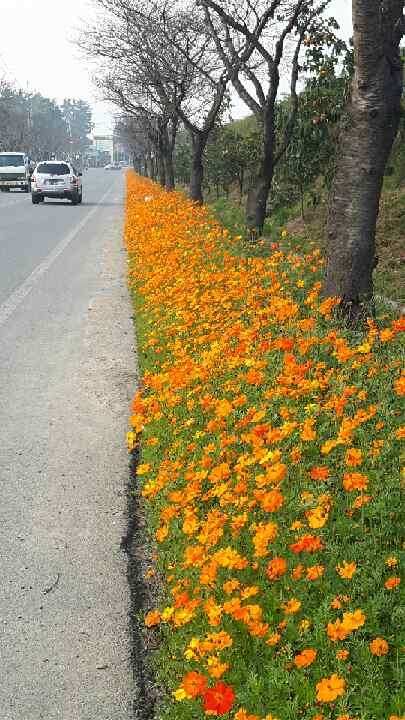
(53, 169)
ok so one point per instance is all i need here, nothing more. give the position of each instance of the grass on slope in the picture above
(390, 274)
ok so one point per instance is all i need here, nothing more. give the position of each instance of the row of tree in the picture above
(305, 171)
(169, 66)
(40, 127)
(173, 63)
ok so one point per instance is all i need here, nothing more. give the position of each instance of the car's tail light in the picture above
(73, 180)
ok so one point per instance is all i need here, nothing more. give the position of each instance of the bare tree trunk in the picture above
(367, 136)
(169, 168)
(171, 144)
(161, 169)
(199, 142)
(241, 181)
(167, 154)
(152, 167)
(258, 194)
(302, 199)
(160, 158)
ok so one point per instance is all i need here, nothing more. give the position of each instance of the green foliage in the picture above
(311, 153)
(48, 129)
(305, 170)
(231, 157)
(77, 116)
(37, 124)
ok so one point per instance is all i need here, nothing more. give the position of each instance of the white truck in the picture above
(14, 171)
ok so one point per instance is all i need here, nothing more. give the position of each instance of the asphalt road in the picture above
(67, 372)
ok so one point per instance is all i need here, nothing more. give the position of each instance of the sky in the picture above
(37, 50)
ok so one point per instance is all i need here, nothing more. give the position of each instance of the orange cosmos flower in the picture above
(223, 408)
(295, 455)
(320, 472)
(379, 647)
(264, 534)
(361, 500)
(305, 658)
(162, 533)
(215, 668)
(297, 572)
(220, 472)
(254, 377)
(355, 481)
(276, 568)
(307, 543)
(328, 689)
(315, 572)
(342, 654)
(219, 699)
(392, 583)
(340, 629)
(230, 585)
(194, 684)
(399, 385)
(276, 473)
(271, 501)
(354, 620)
(152, 618)
(353, 457)
(307, 432)
(273, 639)
(243, 715)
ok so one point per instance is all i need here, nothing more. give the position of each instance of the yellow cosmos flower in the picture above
(291, 607)
(346, 570)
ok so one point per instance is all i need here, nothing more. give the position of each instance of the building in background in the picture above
(105, 149)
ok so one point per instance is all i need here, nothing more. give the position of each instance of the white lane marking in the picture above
(9, 306)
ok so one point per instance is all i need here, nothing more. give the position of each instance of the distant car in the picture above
(56, 179)
(112, 166)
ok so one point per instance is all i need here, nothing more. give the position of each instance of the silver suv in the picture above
(56, 179)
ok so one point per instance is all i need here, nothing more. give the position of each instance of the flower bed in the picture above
(270, 444)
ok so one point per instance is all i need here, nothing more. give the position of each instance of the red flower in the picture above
(219, 699)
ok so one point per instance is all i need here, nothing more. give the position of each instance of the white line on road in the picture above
(8, 307)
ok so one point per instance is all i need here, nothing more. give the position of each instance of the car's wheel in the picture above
(75, 199)
(35, 199)
(80, 198)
